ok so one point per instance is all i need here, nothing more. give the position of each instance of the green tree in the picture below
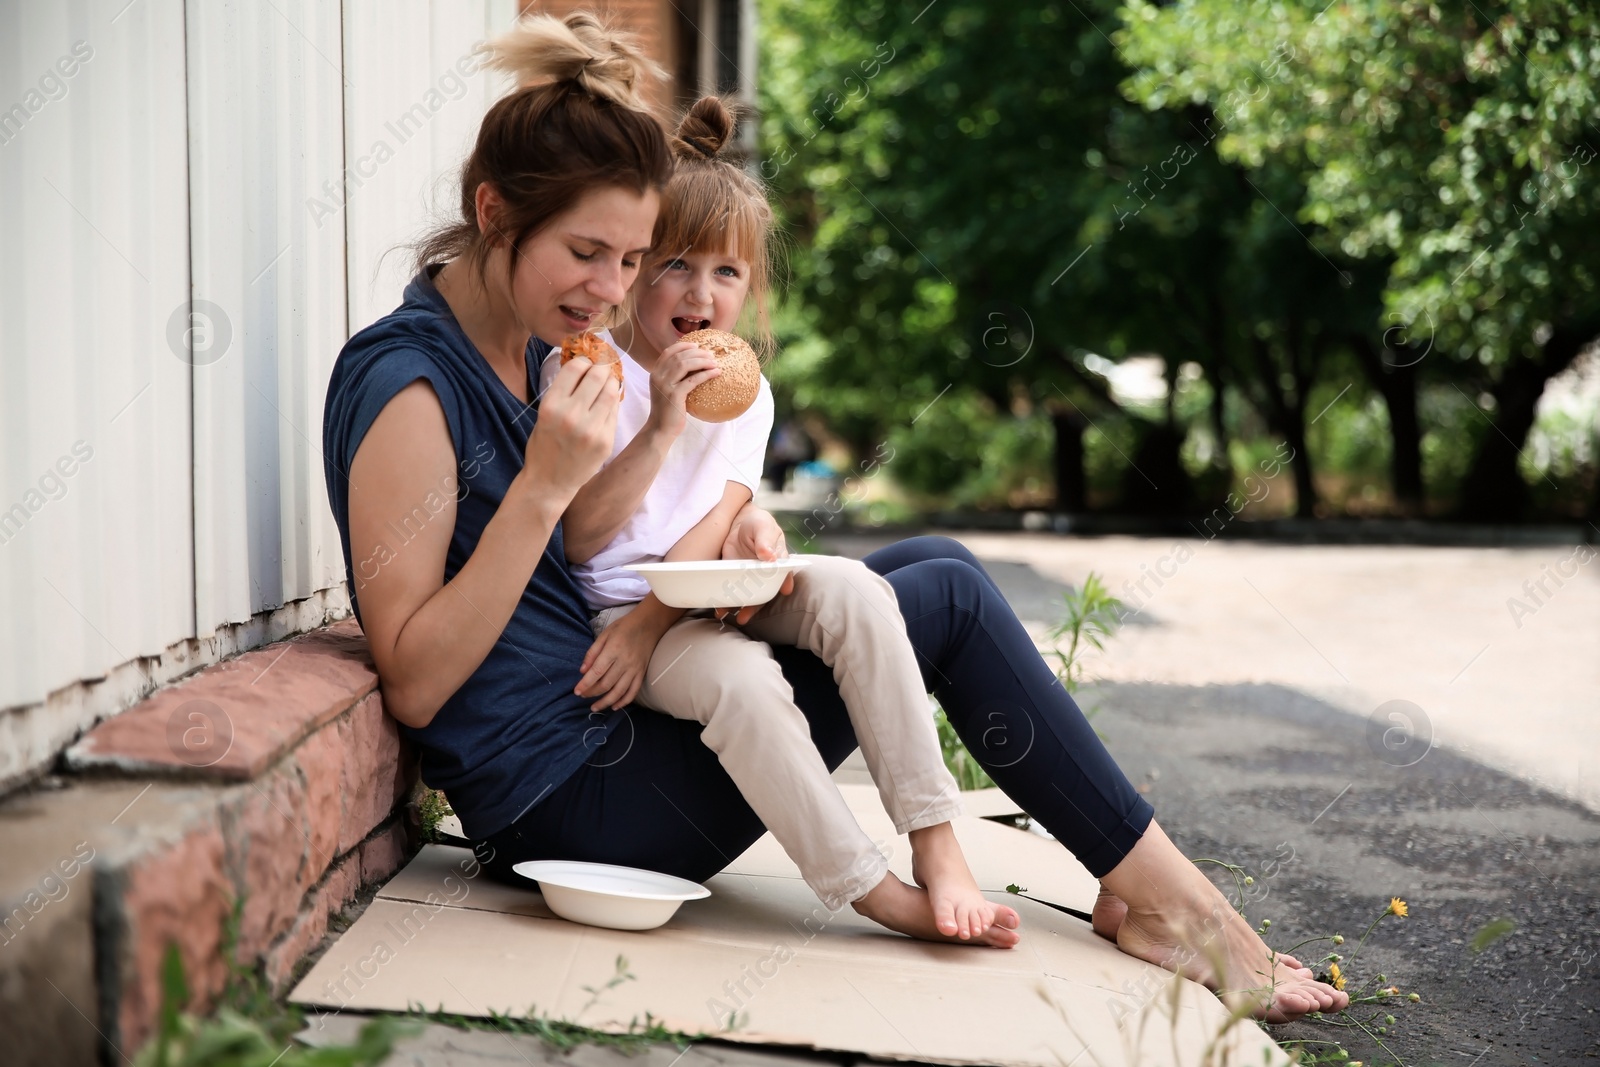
(976, 205)
(1451, 151)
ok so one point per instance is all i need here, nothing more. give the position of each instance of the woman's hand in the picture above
(615, 665)
(576, 429)
(680, 369)
(755, 534)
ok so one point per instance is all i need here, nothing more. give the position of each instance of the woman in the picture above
(447, 480)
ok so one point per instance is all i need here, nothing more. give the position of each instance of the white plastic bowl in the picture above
(718, 583)
(602, 894)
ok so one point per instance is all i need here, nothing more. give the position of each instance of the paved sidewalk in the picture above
(1353, 625)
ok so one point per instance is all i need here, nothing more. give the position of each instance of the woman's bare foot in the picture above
(1178, 920)
(1109, 911)
(938, 865)
(908, 910)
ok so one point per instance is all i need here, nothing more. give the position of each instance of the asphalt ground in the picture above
(1333, 817)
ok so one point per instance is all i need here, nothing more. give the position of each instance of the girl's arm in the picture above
(607, 500)
(428, 636)
(703, 541)
(614, 667)
(610, 498)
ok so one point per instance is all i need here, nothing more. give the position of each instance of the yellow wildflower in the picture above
(1391, 991)
(1397, 907)
(1335, 976)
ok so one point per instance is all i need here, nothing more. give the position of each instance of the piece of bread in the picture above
(593, 347)
(729, 394)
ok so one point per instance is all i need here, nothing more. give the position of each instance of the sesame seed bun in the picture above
(593, 347)
(731, 393)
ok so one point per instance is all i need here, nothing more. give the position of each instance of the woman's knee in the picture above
(943, 583)
(939, 547)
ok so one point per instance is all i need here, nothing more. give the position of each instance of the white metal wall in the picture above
(411, 115)
(95, 546)
(219, 143)
(265, 130)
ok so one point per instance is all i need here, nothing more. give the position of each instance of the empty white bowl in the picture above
(718, 583)
(603, 894)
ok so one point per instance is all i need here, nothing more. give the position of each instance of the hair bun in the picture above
(605, 62)
(705, 129)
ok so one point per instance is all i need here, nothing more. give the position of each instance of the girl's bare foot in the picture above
(908, 910)
(1178, 920)
(938, 865)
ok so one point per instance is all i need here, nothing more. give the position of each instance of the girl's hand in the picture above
(614, 667)
(681, 367)
(755, 534)
(576, 428)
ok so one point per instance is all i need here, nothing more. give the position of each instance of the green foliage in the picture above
(1455, 148)
(230, 1039)
(1091, 616)
(432, 808)
(1455, 428)
(1491, 932)
(1089, 619)
(1451, 152)
(967, 772)
(1289, 197)
(963, 453)
(565, 1036)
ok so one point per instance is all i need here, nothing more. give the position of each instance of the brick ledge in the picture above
(233, 720)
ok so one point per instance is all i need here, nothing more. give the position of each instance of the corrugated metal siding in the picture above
(410, 120)
(265, 132)
(201, 145)
(95, 569)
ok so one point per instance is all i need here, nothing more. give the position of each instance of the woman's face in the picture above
(688, 292)
(579, 267)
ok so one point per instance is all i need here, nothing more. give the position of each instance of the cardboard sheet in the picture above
(762, 961)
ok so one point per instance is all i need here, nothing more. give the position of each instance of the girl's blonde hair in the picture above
(712, 204)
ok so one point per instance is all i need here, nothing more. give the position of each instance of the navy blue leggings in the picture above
(654, 797)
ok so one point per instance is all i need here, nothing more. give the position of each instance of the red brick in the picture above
(383, 854)
(270, 858)
(373, 775)
(341, 885)
(321, 759)
(176, 895)
(269, 699)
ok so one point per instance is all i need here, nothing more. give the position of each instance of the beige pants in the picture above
(725, 678)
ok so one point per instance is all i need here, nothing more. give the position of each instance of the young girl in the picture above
(671, 491)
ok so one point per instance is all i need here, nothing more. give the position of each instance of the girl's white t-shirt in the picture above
(698, 467)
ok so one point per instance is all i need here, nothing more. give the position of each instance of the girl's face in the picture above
(688, 292)
(579, 267)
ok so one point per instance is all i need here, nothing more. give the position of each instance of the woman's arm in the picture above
(610, 498)
(427, 636)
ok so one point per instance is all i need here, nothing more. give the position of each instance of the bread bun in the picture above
(593, 347)
(729, 394)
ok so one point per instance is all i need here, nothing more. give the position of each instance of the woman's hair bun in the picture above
(705, 128)
(606, 62)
